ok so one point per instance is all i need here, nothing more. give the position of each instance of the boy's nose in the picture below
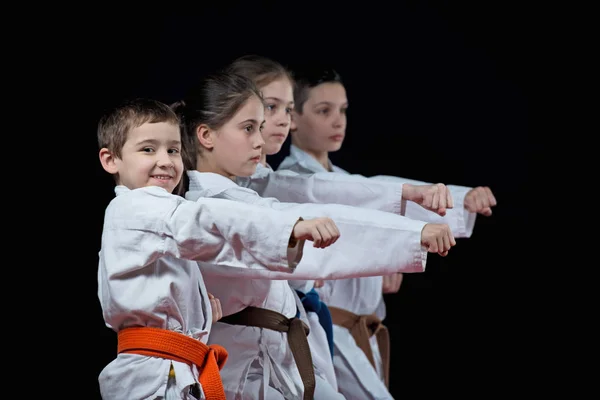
(164, 160)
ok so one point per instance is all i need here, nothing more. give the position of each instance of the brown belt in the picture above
(362, 327)
(296, 336)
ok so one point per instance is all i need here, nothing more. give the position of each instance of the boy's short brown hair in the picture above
(120, 120)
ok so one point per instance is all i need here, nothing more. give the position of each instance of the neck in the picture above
(322, 157)
(263, 159)
(205, 164)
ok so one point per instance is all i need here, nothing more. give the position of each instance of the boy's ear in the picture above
(107, 159)
(205, 136)
(293, 121)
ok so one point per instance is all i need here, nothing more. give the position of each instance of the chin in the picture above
(273, 148)
(247, 173)
(334, 147)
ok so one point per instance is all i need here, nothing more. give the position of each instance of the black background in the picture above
(438, 92)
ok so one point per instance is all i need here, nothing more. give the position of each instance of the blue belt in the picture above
(312, 303)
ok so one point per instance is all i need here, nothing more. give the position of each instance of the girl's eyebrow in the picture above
(277, 99)
(253, 121)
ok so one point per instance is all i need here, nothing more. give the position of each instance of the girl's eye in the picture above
(270, 107)
(174, 151)
(148, 149)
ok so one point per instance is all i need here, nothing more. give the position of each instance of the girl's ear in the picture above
(205, 136)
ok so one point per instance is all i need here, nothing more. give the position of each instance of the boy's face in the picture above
(237, 145)
(279, 103)
(151, 156)
(322, 125)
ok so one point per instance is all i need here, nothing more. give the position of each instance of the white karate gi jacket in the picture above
(364, 296)
(260, 360)
(147, 275)
(263, 181)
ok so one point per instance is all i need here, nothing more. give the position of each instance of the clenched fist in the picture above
(436, 197)
(438, 238)
(323, 232)
(480, 200)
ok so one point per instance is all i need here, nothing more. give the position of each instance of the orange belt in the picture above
(156, 342)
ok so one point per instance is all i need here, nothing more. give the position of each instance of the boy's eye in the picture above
(288, 110)
(148, 149)
(270, 107)
(323, 111)
(248, 128)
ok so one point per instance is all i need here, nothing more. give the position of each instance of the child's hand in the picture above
(319, 283)
(436, 197)
(215, 305)
(438, 238)
(322, 232)
(391, 283)
(480, 200)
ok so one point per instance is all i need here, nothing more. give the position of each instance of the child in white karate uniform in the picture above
(276, 85)
(149, 283)
(226, 131)
(318, 127)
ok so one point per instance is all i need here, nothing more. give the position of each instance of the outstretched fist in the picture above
(323, 232)
(438, 238)
(436, 197)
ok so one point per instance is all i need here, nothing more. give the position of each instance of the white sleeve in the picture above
(460, 221)
(221, 232)
(328, 188)
(371, 242)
